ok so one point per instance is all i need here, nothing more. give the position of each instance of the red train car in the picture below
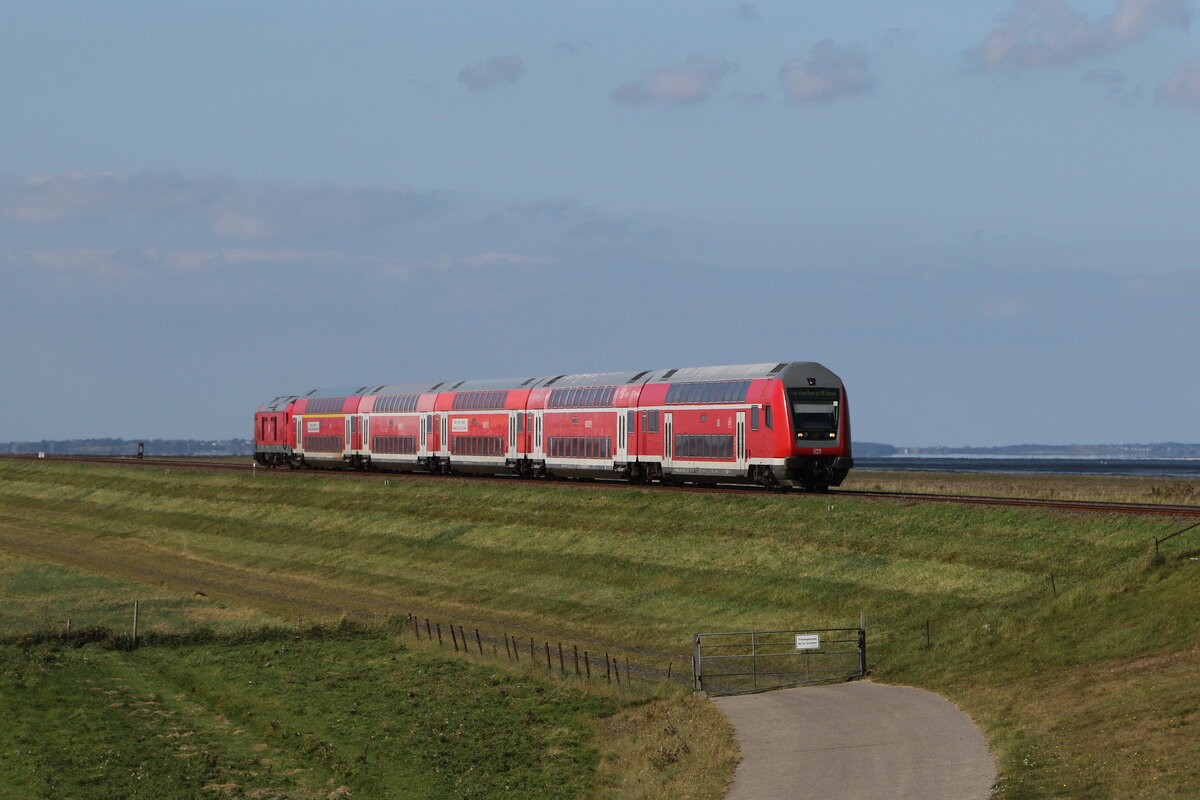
(777, 424)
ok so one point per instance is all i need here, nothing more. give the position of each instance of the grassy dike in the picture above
(1085, 684)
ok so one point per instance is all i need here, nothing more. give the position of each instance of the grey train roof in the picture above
(793, 373)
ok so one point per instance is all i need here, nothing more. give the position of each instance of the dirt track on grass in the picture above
(281, 593)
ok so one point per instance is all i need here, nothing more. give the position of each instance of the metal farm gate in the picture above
(754, 661)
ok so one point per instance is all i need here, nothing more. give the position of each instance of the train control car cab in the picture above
(814, 401)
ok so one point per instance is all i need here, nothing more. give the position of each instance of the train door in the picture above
(348, 442)
(538, 452)
(444, 442)
(668, 441)
(299, 433)
(623, 436)
(364, 427)
(512, 433)
(423, 422)
(739, 442)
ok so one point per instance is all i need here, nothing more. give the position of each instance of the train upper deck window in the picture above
(708, 392)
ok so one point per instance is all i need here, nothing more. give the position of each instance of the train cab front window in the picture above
(814, 413)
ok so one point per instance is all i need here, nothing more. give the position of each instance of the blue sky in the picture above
(982, 216)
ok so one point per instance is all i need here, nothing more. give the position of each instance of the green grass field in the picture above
(324, 714)
(1084, 682)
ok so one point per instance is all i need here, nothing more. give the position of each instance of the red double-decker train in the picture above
(776, 424)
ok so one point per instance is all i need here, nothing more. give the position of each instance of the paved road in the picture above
(856, 741)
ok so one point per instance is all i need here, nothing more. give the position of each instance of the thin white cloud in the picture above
(1038, 33)
(492, 72)
(1183, 88)
(222, 208)
(505, 260)
(829, 72)
(678, 85)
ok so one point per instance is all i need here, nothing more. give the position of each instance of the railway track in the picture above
(1087, 506)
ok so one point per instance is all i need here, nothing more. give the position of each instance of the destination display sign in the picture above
(813, 394)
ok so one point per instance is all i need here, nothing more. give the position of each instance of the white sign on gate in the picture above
(808, 641)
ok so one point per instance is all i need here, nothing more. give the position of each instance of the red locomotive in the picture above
(777, 424)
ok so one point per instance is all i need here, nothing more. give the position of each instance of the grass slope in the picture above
(323, 715)
(1100, 659)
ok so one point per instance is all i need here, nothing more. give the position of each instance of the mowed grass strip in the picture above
(45, 597)
(648, 569)
(339, 713)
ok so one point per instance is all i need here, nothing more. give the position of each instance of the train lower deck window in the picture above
(323, 444)
(579, 446)
(704, 445)
(394, 445)
(477, 446)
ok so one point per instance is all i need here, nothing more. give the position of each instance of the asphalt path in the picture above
(856, 741)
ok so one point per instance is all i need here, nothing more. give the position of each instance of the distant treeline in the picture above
(874, 450)
(123, 447)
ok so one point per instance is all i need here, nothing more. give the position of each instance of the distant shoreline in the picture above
(1093, 465)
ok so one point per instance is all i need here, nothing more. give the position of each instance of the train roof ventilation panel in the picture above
(310, 394)
(378, 389)
(670, 372)
(555, 378)
(778, 367)
(435, 386)
(460, 383)
(528, 381)
(634, 379)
